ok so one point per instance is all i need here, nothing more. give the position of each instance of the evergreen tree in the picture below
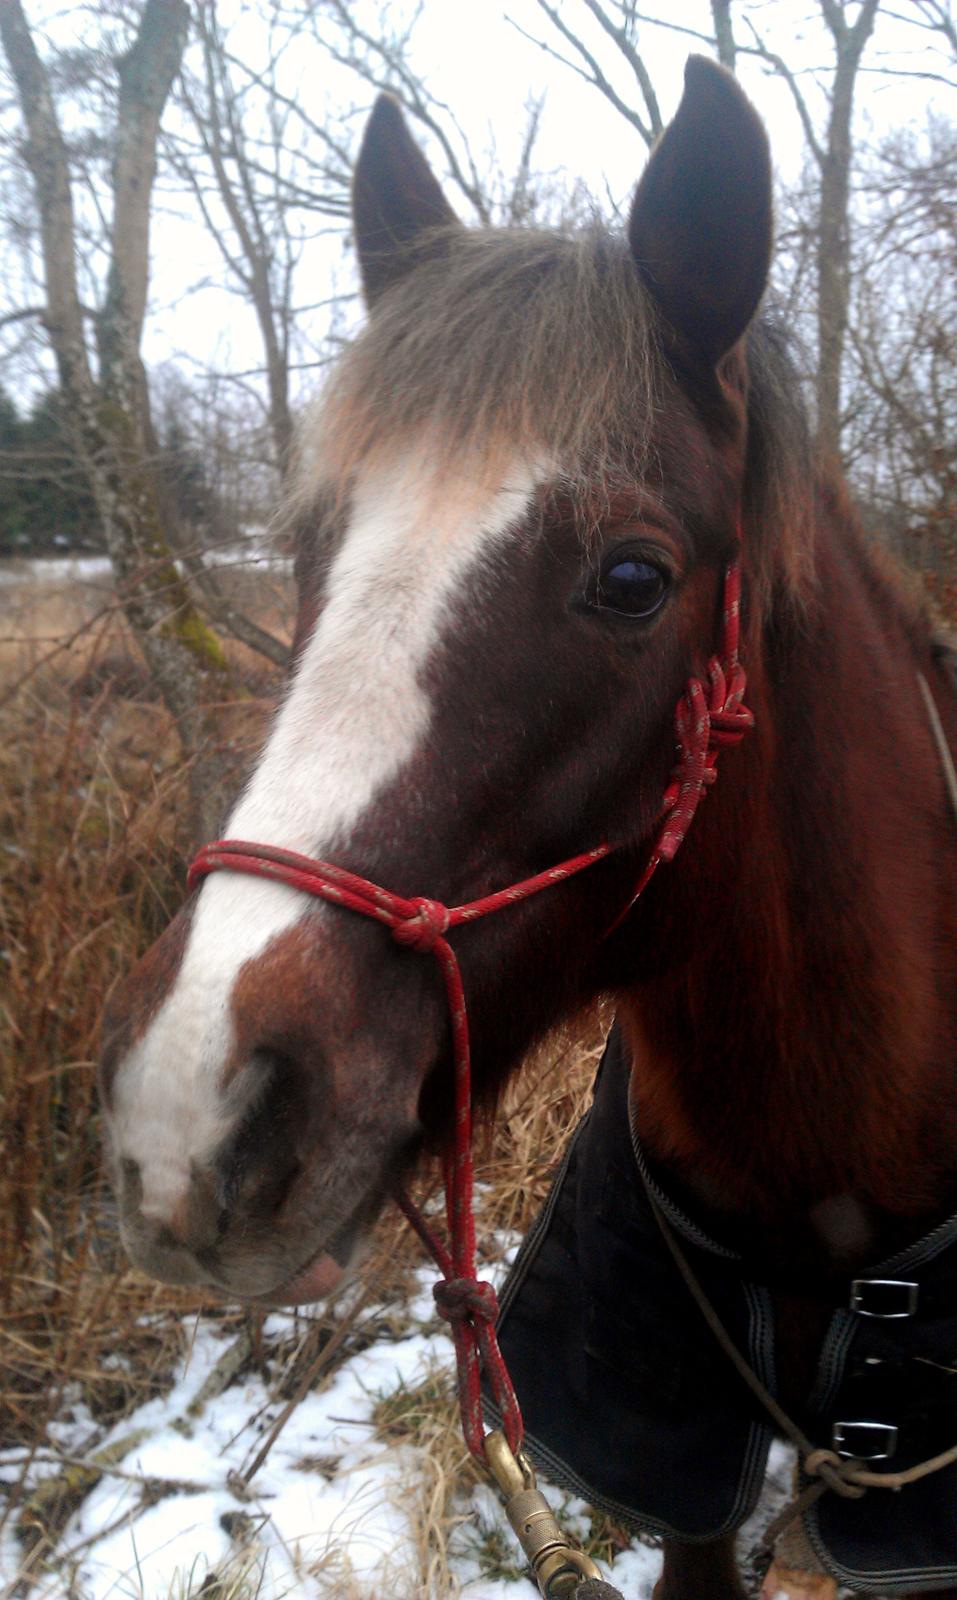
(45, 503)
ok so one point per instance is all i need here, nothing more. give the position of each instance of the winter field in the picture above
(153, 1445)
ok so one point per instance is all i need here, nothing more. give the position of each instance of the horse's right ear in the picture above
(396, 200)
(700, 226)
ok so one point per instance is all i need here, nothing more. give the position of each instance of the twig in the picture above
(323, 1358)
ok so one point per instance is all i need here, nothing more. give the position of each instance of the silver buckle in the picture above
(887, 1298)
(864, 1441)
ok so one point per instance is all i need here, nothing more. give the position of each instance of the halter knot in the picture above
(729, 717)
(707, 717)
(465, 1300)
(729, 727)
(428, 923)
(834, 1470)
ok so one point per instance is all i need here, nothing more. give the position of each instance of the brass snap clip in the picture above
(558, 1567)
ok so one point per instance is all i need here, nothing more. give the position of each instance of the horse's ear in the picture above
(395, 199)
(700, 225)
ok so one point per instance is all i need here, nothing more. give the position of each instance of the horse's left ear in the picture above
(700, 225)
(396, 200)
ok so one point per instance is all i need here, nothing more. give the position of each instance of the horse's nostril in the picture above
(260, 1175)
(262, 1163)
(282, 1182)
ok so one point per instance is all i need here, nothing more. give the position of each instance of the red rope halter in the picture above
(706, 719)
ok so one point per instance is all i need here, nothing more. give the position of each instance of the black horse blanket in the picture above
(630, 1402)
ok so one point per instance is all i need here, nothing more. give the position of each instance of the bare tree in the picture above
(901, 428)
(619, 21)
(938, 21)
(724, 39)
(105, 388)
(267, 178)
(832, 152)
(382, 57)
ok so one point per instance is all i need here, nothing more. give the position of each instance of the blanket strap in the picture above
(827, 1470)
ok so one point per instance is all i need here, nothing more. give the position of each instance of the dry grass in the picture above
(91, 868)
(91, 790)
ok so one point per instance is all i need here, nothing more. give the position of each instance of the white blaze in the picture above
(354, 714)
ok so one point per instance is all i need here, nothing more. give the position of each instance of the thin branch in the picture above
(228, 616)
(634, 60)
(598, 79)
(781, 67)
(23, 314)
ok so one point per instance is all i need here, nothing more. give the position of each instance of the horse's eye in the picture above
(630, 585)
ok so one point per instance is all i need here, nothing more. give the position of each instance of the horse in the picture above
(519, 508)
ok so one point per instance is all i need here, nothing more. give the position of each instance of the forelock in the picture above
(496, 343)
(501, 346)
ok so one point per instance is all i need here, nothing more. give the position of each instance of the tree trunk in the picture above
(724, 33)
(110, 412)
(834, 244)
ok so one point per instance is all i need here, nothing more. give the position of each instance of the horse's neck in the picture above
(800, 1055)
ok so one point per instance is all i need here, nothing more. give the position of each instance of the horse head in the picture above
(515, 509)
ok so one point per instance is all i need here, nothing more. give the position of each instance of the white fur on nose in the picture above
(354, 714)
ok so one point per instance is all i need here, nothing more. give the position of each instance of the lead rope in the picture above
(707, 718)
(940, 740)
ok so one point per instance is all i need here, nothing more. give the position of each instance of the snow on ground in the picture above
(334, 1510)
(246, 555)
(329, 1493)
(54, 569)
